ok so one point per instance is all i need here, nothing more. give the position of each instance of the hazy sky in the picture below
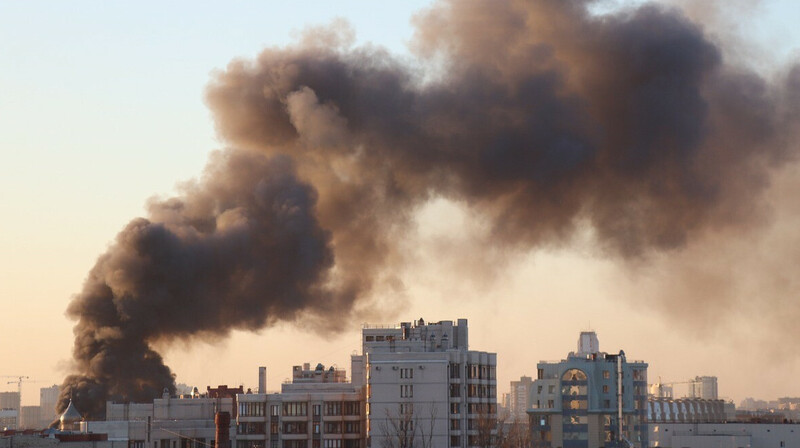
(101, 108)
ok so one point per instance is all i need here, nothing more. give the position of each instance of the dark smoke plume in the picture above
(539, 116)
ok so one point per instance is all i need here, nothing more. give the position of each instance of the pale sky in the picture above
(101, 107)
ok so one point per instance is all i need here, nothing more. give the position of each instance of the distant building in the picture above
(704, 387)
(424, 384)
(30, 418)
(724, 435)
(9, 400)
(519, 399)
(8, 419)
(686, 410)
(590, 399)
(48, 397)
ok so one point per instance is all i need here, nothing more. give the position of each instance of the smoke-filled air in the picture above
(539, 117)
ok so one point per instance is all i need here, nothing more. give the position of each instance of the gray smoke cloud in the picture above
(540, 117)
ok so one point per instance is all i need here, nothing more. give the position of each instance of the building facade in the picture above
(318, 409)
(724, 435)
(519, 399)
(48, 397)
(424, 385)
(704, 387)
(590, 399)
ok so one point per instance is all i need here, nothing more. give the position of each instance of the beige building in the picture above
(318, 409)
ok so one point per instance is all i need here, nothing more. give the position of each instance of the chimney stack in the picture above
(223, 435)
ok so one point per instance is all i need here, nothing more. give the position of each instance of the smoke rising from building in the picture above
(538, 116)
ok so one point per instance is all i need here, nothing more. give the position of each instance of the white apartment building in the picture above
(423, 384)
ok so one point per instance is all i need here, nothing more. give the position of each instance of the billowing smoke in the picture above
(538, 116)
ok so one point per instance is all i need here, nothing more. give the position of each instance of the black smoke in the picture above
(539, 116)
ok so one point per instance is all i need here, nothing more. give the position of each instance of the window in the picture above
(273, 427)
(455, 390)
(244, 428)
(295, 444)
(295, 409)
(539, 390)
(551, 389)
(317, 409)
(333, 427)
(369, 338)
(295, 427)
(351, 407)
(406, 390)
(406, 408)
(540, 374)
(606, 404)
(333, 408)
(606, 374)
(455, 440)
(551, 404)
(251, 409)
(455, 408)
(333, 443)
(407, 373)
(455, 370)
(352, 427)
(605, 388)
(455, 424)
(574, 375)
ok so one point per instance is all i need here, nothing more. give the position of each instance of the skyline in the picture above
(96, 165)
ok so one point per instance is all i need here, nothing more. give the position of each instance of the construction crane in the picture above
(18, 382)
(661, 385)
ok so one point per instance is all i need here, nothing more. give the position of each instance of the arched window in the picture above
(573, 375)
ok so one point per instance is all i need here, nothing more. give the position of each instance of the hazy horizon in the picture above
(105, 113)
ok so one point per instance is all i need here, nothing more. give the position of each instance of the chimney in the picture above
(262, 380)
(223, 435)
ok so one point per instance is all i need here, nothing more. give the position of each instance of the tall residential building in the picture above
(590, 399)
(424, 384)
(704, 387)
(48, 397)
(519, 399)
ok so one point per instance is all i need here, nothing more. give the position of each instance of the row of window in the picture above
(173, 443)
(474, 371)
(293, 409)
(474, 408)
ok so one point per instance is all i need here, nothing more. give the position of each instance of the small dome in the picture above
(70, 417)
